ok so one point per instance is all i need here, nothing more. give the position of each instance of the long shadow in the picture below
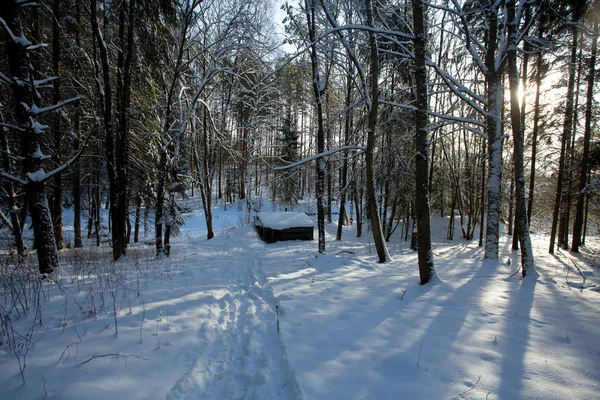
(450, 319)
(349, 321)
(514, 341)
(401, 346)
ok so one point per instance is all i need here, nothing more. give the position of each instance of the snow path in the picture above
(202, 324)
(242, 355)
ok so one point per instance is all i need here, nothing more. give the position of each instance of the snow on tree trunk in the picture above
(26, 100)
(493, 130)
(495, 168)
(43, 230)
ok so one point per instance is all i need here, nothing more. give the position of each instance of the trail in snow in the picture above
(242, 356)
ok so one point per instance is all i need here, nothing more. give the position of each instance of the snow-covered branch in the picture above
(318, 156)
(42, 82)
(459, 89)
(11, 126)
(35, 110)
(20, 40)
(5, 79)
(364, 93)
(12, 178)
(468, 37)
(70, 162)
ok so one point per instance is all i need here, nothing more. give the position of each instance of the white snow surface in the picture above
(284, 220)
(203, 323)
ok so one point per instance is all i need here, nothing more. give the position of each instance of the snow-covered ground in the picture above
(235, 318)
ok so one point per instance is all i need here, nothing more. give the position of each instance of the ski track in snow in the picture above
(350, 328)
(242, 355)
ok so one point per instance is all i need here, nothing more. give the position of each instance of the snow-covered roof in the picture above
(284, 220)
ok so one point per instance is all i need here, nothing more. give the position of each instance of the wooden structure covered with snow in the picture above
(277, 226)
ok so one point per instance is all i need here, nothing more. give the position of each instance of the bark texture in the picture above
(583, 172)
(371, 130)
(425, 255)
(493, 130)
(521, 226)
(27, 101)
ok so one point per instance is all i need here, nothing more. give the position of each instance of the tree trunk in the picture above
(371, 128)
(26, 97)
(348, 124)
(138, 210)
(425, 255)
(511, 204)
(536, 127)
(358, 207)
(42, 228)
(521, 227)
(450, 232)
(77, 170)
(482, 202)
(159, 208)
(585, 214)
(493, 129)
(318, 89)
(56, 127)
(567, 127)
(17, 229)
(104, 88)
(121, 219)
(578, 224)
(207, 181)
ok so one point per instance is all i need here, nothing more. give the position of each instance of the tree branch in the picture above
(319, 155)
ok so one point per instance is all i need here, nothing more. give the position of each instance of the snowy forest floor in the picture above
(235, 318)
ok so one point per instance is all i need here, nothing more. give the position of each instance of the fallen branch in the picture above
(112, 355)
(471, 388)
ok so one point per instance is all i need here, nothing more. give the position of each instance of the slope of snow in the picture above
(235, 318)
